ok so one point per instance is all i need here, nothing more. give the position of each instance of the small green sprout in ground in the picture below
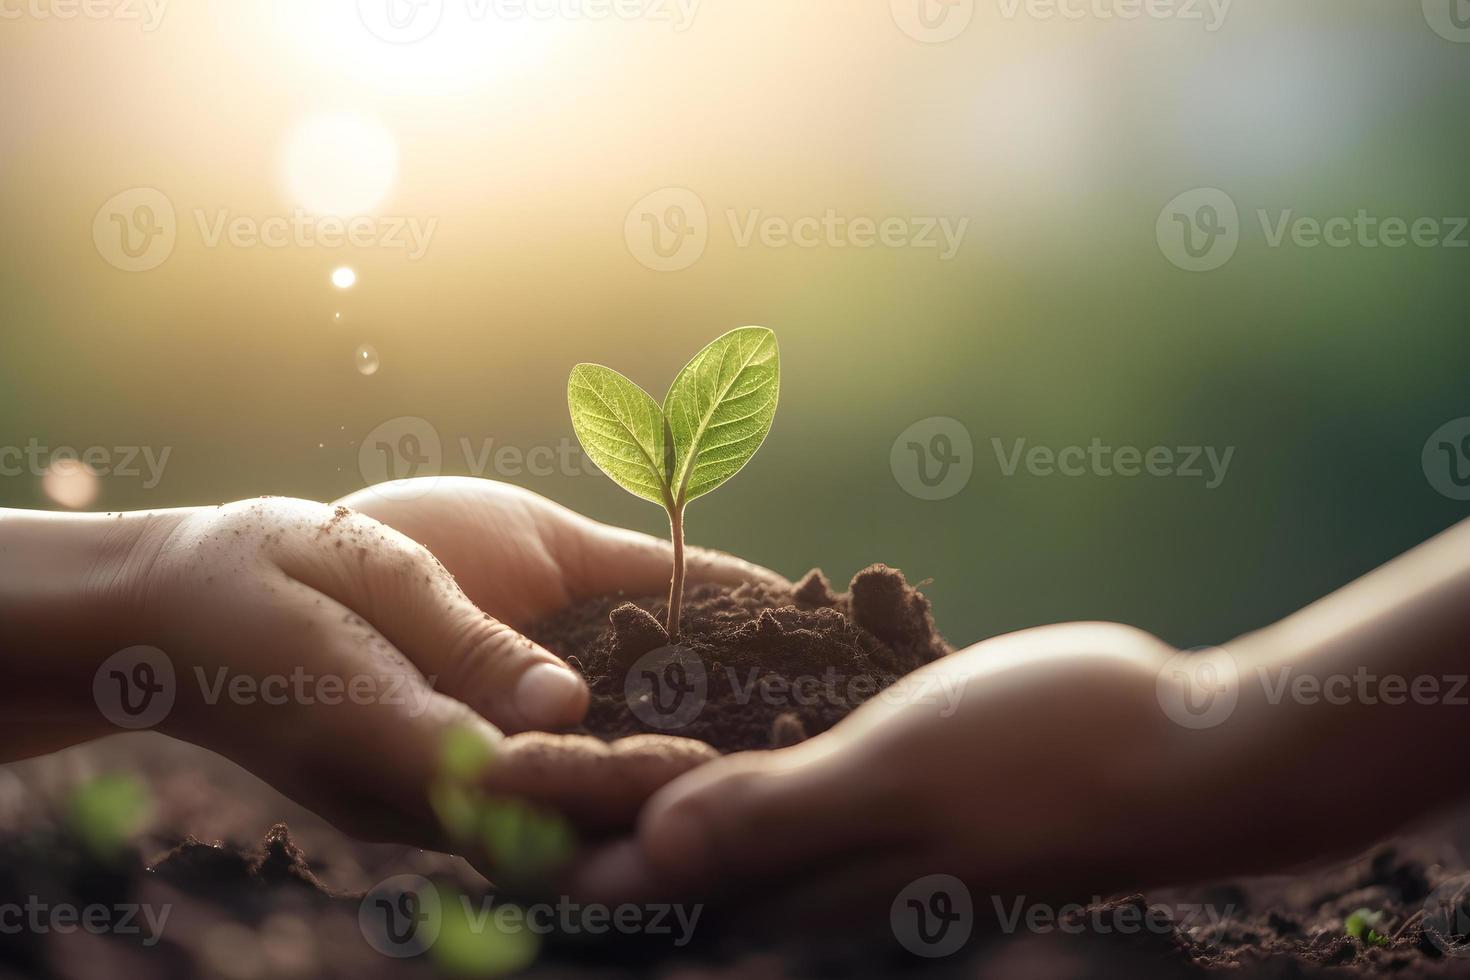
(108, 812)
(485, 940)
(715, 416)
(1363, 925)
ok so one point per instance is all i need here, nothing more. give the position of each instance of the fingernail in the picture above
(549, 695)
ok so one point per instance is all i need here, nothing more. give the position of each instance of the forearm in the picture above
(1359, 692)
(73, 590)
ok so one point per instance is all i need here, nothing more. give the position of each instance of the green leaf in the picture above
(622, 429)
(719, 409)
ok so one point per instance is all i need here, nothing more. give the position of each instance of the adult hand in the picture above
(1070, 761)
(331, 654)
(1035, 760)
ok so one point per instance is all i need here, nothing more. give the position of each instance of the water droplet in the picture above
(365, 359)
(343, 277)
(337, 317)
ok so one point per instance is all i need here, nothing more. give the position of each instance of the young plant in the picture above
(714, 418)
(1363, 925)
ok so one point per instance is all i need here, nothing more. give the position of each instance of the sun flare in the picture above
(341, 164)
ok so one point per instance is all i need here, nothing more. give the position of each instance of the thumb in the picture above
(403, 591)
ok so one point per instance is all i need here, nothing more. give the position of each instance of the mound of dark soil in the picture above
(753, 667)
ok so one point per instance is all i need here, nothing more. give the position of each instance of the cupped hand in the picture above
(332, 654)
(521, 557)
(1034, 761)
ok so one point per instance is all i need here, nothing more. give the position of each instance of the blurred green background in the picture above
(528, 142)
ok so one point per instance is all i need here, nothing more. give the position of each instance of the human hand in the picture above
(1035, 761)
(259, 593)
(1082, 759)
(521, 557)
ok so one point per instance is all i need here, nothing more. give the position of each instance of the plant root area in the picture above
(753, 667)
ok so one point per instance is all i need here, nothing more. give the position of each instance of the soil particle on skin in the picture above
(778, 665)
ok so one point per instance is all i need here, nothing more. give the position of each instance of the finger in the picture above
(384, 793)
(596, 557)
(598, 785)
(333, 715)
(477, 529)
(398, 586)
(602, 559)
(25, 738)
(745, 818)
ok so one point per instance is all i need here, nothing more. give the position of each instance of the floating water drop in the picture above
(343, 277)
(337, 317)
(365, 359)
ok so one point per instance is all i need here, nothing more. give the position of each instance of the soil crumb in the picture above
(193, 864)
(753, 667)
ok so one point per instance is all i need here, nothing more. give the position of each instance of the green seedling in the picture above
(107, 812)
(713, 419)
(1363, 926)
(488, 938)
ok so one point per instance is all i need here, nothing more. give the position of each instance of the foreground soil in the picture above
(268, 909)
(762, 668)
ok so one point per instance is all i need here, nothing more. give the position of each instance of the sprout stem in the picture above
(676, 584)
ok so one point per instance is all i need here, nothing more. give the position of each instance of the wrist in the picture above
(76, 589)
